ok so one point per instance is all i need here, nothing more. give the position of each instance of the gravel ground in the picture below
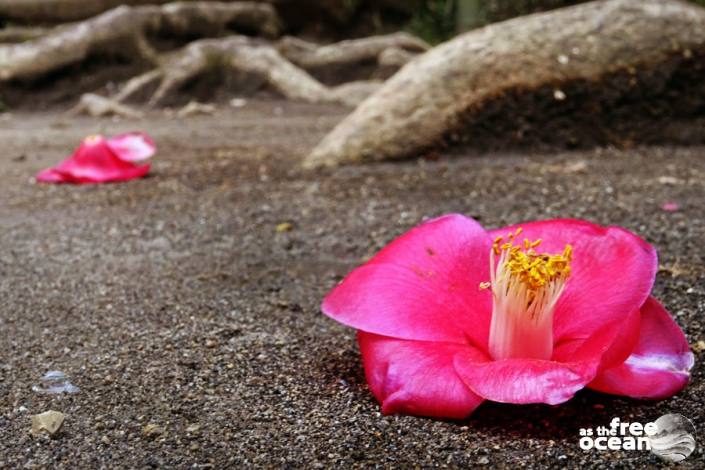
(192, 325)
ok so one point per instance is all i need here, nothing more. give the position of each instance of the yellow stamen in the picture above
(535, 270)
(525, 287)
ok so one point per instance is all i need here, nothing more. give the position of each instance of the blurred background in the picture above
(434, 20)
(326, 21)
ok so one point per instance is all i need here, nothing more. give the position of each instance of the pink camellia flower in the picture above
(450, 314)
(100, 160)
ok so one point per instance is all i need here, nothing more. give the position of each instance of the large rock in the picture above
(432, 95)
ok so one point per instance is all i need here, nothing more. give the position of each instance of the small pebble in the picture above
(238, 102)
(152, 430)
(667, 180)
(285, 227)
(49, 422)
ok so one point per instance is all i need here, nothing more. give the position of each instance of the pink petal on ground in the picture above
(133, 146)
(93, 162)
(613, 271)
(417, 377)
(670, 206)
(50, 175)
(423, 286)
(660, 364)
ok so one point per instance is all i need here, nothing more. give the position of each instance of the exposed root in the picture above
(247, 56)
(309, 55)
(61, 11)
(606, 64)
(395, 57)
(67, 45)
(194, 107)
(98, 106)
(137, 83)
(15, 34)
(283, 66)
(236, 53)
(354, 93)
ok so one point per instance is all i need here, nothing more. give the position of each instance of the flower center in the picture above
(525, 286)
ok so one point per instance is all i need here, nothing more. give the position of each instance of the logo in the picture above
(674, 439)
(671, 437)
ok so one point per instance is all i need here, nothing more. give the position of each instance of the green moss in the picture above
(435, 20)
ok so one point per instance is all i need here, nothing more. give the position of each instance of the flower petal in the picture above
(613, 272)
(524, 380)
(93, 162)
(660, 364)
(133, 146)
(51, 175)
(423, 286)
(417, 377)
(620, 337)
(521, 380)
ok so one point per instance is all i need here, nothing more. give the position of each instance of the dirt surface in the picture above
(662, 104)
(173, 301)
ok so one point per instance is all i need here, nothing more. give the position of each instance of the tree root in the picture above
(67, 45)
(236, 53)
(61, 11)
(635, 50)
(193, 108)
(310, 56)
(353, 93)
(395, 57)
(15, 34)
(98, 106)
(284, 65)
(244, 55)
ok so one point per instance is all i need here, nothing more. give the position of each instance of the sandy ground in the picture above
(173, 301)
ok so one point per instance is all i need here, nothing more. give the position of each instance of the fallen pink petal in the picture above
(670, 206)
(450, 314)
(101, 160)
